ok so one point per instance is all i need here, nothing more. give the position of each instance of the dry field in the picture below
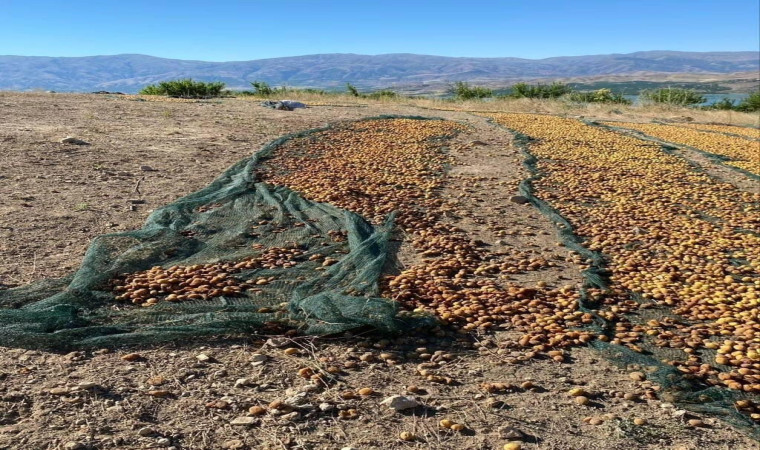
(510, 366)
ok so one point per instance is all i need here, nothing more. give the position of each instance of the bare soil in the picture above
(54, 198)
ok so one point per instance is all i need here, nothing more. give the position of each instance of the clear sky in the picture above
(225, 30)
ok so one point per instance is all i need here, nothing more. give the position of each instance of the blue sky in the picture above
(225, 30)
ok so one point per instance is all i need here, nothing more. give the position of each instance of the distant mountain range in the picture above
(129, 73)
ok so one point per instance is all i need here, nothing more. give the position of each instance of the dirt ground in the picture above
(54, 198)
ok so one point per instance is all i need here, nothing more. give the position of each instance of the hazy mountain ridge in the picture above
(130, 72)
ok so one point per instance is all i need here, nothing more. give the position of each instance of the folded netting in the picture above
(240, 256)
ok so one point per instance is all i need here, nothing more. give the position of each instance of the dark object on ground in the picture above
(283, 105)
(519, 199)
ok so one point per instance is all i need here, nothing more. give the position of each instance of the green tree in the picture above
(185, 88)
(464, 91)
(262, 88)
(554, 90)
(751, 103)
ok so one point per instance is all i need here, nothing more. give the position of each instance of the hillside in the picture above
(129, 73)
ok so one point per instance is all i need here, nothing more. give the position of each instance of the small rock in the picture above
(519, 199)
(73, 445)
(73, 140)
(146, 431)
(243, 421)
(511, 433)
(258, 359)
(234, 444)
(203, 357)
(297, 400)
(164, 442)
(59, 391)
(148, 169)
(494, 403)
(295, 415)
(278, 342)
(308, 388)
(400, 402)
(242, 382)
(87, 385)
(326, 407)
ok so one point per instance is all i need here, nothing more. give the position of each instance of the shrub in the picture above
(352, 90)
(262, 88)
(382, 94)
(185, 88)
(463, 91)
(751, 103)
(311, 91)
(599, 96)
(724, 105)
(525, 90)
(672, 96)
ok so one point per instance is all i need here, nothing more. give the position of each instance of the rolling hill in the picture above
(129, 72)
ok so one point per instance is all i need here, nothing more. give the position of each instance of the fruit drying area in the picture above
(509, 364)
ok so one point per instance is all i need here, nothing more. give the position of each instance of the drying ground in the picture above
(54, 198)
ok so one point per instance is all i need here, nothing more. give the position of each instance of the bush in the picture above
(723, 105)
(599, 96)
(525, 90)
(672, 96)
(382, 94)
(185, 88)
(751, 103)
(463, 91)
(352, 90)
(262, 88)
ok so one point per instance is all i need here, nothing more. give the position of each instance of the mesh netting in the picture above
(243, 255)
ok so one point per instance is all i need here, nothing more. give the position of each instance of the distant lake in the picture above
(711, 98)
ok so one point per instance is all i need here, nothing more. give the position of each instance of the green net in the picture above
(256, 257)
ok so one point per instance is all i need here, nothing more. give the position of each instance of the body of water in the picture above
(711, 98)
